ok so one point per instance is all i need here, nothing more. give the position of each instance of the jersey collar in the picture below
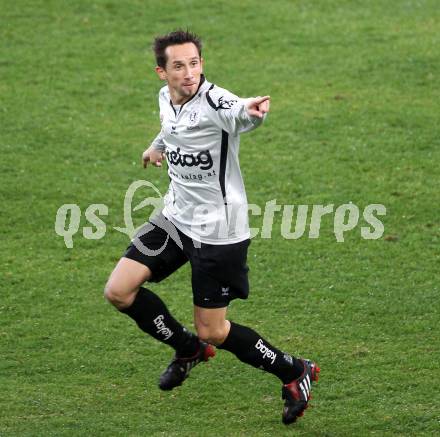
(203, 86)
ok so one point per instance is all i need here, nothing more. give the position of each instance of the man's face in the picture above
(182, 71)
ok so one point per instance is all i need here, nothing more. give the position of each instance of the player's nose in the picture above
(188, 72)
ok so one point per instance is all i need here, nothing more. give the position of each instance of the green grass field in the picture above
(354, 118)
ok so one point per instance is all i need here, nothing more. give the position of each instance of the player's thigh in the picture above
(126, 278)
(155, 246)
(211, 324)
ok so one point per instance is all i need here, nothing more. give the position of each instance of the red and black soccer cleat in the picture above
(179, 368)
(297, 393)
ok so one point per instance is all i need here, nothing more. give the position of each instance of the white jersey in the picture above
(206, 199)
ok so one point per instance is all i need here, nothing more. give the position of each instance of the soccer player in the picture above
(204, 221)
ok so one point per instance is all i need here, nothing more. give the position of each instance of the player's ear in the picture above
(161, 73)
(202, 61)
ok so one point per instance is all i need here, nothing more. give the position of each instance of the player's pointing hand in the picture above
(258, 106)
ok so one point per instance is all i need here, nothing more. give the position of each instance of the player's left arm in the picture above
(258, 107)
(234, 114)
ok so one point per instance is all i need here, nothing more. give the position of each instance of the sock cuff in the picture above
(230, 342)
(142, 296)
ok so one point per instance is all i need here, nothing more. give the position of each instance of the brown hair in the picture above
(174, 38)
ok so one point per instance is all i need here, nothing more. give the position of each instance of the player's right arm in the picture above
(155, 153)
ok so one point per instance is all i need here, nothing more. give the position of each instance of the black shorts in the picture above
(219, 272)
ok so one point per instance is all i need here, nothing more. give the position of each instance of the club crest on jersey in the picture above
(193, 118)
(193, 121)
(203, 159)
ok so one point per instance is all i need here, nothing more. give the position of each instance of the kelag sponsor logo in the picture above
(203, 159)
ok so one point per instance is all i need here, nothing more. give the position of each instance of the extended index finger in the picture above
(259, 100)
(264, 107)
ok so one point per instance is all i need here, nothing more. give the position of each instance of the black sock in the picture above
(252, 349)
(153, 317)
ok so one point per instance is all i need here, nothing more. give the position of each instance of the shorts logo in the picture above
(225, 291)
(161, 328)
(267, 353)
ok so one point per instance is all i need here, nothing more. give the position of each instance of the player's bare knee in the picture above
(212, 335)
(117, 296)
(110, 292)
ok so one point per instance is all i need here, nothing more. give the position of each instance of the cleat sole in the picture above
(209, 353)
(315, 373)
